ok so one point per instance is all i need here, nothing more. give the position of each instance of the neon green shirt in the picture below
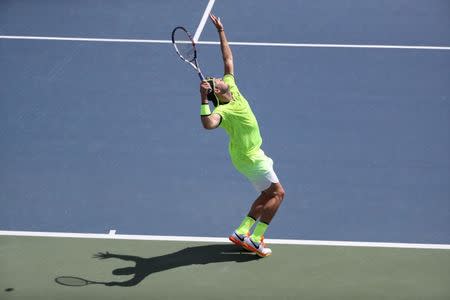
(242, 128)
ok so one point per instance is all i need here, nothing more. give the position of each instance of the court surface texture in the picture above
(106, 173)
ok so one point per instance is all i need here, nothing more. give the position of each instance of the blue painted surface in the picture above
(139, 19)
(98, 136)
(400, 22)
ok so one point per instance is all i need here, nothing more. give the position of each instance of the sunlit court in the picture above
(321, 128)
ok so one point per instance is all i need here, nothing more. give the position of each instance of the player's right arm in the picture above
(227, 55)
(209, 121)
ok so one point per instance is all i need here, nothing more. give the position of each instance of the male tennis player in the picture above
(233, 113)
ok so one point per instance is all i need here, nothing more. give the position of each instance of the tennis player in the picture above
(233, 113)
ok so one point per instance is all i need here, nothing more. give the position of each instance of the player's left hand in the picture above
(216, 22)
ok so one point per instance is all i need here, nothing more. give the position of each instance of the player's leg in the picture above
(258, 206)
(238, 236)
(264, 207)
(268, 202)
(253, 215)
(272, 199)
(274, 195)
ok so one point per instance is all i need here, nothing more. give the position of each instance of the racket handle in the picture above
(202, 78)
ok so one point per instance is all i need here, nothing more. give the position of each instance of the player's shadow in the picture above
(200, 255)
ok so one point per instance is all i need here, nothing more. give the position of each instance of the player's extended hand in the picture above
(102, 255)
(216, 22)
(204, 89)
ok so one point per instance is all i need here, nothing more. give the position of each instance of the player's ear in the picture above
(216, 90)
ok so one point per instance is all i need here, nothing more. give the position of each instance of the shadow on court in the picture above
(200, 255)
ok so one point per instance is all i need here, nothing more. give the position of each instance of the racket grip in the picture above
(202, 78)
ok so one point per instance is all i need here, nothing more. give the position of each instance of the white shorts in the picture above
(258, 169)
(263, 182)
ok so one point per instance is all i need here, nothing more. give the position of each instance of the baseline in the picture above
(221, 240)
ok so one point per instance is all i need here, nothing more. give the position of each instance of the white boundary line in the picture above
(200, 27)
(220, 240)
(304, 45)
(82, 39)
(298, 45)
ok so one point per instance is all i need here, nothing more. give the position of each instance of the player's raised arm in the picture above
(226, 50)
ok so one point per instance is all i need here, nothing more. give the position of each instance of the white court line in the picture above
(304, 45)
(200, 27)
(82, 39)
(221, 240)
(299, 45)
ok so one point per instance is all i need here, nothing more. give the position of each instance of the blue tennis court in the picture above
(99, 125)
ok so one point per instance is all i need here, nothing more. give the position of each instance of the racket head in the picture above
(71, 281)
(184, 44)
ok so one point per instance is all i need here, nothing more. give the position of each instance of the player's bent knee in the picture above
(279, 191)
(275, 191)
(279, 195)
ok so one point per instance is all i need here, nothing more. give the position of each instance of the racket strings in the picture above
(188, 53)
(184, 45)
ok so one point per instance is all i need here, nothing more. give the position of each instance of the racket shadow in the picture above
(144, 267)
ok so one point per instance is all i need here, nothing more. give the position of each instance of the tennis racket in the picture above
(185, 47)
(74, 281)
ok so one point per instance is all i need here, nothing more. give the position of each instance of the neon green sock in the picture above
(258, 233)
(246, 224)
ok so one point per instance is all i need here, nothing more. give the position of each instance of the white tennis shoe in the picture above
(259, 248)
(238, 239)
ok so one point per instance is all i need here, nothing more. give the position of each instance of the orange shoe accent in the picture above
(249, 248)
(235, 241)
